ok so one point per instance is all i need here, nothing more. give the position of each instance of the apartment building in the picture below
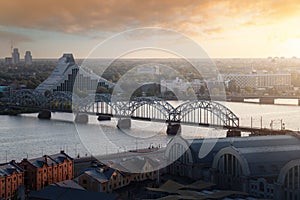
(11, 179)
(46, 170)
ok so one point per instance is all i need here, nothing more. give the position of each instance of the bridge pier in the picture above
(44, 114)
(236, 99)
(82, 118)
(266, 100)
(233, 133)
(124, 123)
(103, 118)
(174, 129)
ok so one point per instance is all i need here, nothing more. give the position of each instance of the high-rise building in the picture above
(28, 58)
(16, 56)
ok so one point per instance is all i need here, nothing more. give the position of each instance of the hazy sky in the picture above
(224, 28)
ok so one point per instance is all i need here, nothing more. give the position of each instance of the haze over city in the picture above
(132, 99)
(225, 29)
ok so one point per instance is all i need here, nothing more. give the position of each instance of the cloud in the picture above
(16, 38)
(76, 16)
(189, 16)
(213, 30)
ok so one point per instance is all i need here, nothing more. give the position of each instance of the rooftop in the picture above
(197, 190)
(69, 184)
(52, 192)
(7, 169)
(202, 153)
(268, 161)
(50, 159)
(99, 174)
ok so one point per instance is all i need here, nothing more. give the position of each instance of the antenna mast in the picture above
(11, 46)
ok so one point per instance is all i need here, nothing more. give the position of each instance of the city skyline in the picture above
(225, 29)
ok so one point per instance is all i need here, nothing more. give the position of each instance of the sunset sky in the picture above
(224, 28)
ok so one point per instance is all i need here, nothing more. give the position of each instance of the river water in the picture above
(27, 136)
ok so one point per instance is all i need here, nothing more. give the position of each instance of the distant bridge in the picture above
(262, 99)
(198, 112)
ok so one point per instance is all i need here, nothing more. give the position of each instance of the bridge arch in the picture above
(206, 113)
(100, 104)
(151, 108)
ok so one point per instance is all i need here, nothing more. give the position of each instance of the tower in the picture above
(28, 58)
(16, 56)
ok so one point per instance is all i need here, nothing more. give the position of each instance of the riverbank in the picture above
(7, 111)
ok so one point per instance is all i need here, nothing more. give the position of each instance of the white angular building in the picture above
(67, 73)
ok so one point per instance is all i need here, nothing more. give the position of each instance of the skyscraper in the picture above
(28, 58)
(16, 56)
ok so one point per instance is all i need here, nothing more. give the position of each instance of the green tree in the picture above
(190, 91)
(249, 90)
(232, 87)
(47, 92)
(215, 91)
(202, 90)
(102, 90)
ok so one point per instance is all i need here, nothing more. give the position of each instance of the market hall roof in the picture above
(204, 150)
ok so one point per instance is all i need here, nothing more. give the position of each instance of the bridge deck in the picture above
(253, 130)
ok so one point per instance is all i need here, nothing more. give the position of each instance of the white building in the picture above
(259, 80)
(15, 56)
(180, 85)
(28, 58)
(148, 70)
(68, 75)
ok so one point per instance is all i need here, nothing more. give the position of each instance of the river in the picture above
(27, 136)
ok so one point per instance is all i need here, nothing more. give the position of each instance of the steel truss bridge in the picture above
(198, 112)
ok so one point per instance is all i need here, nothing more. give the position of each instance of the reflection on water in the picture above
(286, 101)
